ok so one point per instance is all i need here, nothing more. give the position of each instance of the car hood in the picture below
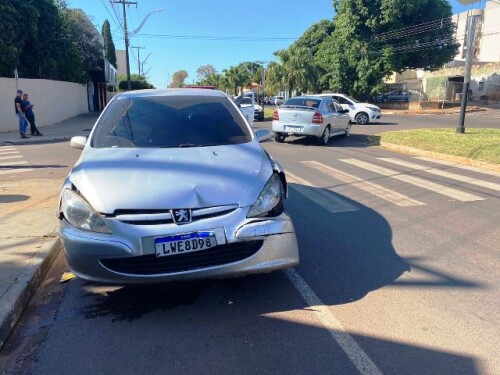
(145, 179)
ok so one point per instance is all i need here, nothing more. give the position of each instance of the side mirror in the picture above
(78, 142)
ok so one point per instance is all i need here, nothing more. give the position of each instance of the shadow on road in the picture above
(255, 324)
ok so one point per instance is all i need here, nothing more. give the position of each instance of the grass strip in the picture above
(477, 144)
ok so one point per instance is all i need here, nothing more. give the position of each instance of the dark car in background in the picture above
(394, 96)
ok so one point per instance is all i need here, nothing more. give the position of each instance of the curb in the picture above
(432, 112)
(18, 296)
(437, 155)
(36, 140)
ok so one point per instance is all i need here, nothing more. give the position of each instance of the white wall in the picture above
(490, 40)
(54, 101)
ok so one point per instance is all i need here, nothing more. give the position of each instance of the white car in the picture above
(247, 107)
(362, 113)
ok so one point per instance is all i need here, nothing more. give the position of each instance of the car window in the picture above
(341, 100)
(338, 107)
(170, 121)
(303, 102)
(331, 106)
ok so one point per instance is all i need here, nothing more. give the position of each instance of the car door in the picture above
(342, 118)
(334, 114)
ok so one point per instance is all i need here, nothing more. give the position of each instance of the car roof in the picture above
(171, 92)
(331, 93)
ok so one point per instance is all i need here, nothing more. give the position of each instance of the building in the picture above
(447, 83)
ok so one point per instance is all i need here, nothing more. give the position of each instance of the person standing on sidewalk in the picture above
(30, 116)
(23, 123)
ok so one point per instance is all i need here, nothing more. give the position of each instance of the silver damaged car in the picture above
(173, 185)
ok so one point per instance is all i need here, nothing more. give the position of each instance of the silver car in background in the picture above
(173, 185)
(311, 116)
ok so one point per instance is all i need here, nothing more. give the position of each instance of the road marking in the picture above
(439, 172)
(10, 157)
(9, 163)
(355, 353)
(7, 171)
(323, 197)
(12, 148)
(424, 184)
(377, 190)
(7, 152)
(455, 165)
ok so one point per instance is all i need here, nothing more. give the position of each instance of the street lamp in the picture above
(127, 35)
(263, 75)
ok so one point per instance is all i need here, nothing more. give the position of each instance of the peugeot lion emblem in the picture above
(181, 216)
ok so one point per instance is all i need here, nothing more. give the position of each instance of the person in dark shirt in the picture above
(30, 116)
(23, 123)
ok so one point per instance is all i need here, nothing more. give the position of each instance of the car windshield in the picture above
(303, 102)
(246, 100)
(169, 122)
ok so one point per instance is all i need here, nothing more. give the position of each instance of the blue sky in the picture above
(185, 21)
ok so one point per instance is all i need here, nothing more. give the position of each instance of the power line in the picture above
(414, 29)
(214, 37)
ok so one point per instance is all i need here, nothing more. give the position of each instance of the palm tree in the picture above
(297, 70)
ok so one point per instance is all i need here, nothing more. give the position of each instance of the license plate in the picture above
(184, 243)
(295, 129)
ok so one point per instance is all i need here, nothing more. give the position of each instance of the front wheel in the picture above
(280, 138)
(325, 137)
(362, 118)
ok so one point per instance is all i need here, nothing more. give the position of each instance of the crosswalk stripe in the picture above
(439, 172)
(15, 171)
(455, 165)
(377, 190)
(7, 149)
(8, 152)
(9, 163)
(424, 184)
(323, 197)
(10, 157)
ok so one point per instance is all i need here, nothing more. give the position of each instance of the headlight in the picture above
(269, 198)
(375, 109)
(79, 214)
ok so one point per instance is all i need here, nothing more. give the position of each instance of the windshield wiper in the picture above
(186, 145)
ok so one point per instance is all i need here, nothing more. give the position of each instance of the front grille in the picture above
(158, 217)
(151, 265)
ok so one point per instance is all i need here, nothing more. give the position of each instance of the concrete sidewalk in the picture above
(62, 131)
(28, 225)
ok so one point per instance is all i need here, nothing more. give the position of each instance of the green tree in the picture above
(109, 46)
(13, 37)
(296, 72)
(137, 82)
(373, 38)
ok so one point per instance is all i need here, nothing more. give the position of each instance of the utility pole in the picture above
(471, 31)
(125, 2)
(138, 58)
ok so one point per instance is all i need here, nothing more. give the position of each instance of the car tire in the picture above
(261, 118)
(280, 138)
(325, 137)
(362, 118)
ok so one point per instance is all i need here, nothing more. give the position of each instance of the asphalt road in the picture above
(399, 274)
